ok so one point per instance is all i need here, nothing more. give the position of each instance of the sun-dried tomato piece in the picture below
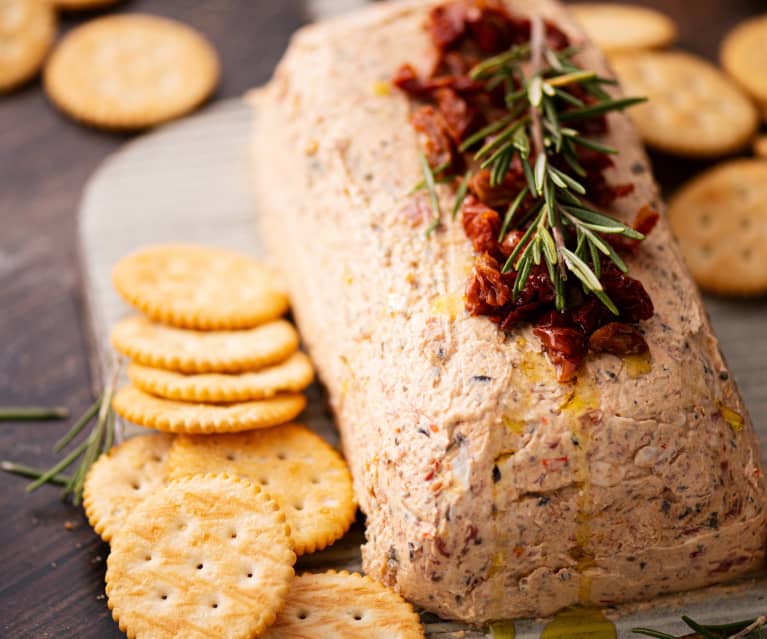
(565, 346)
(510, 242)
(459, 116)
(447, 24)
(590, 315)
(492, 29)
(437, 142)
(644, 222)
(500, 195)
(536, 296)
(481, 225)
(619, 339)
(486, 289)
(603, 193)
(629, 295)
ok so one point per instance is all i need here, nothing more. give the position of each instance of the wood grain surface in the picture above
(53, 565)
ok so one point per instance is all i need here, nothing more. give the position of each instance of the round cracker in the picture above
(207, 556)
(171, 416)
(306, 476)
(292, 375)
(27, 29)
(621, 27)
(131, 71)
(199, 287)
(122, 478)
(720, 220)
(760, 146)
(693, 108)
(339, 604)
(186, 351)
(744, 56)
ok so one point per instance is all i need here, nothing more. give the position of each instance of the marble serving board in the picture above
(188, 182)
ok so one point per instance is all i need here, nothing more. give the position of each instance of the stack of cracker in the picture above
(206, 517)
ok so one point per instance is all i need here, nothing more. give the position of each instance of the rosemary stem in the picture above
(33, 473)
(57, 468)
(79, 425)
(32, 413)
(757, 623)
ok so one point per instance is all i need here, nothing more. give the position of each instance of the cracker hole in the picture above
(263, 481)
(163, 597)
(302, 614)
(746, 254)
(215, 605)
(230, 456)
(707, 250)
(200, 566)
(745, 223)
(705, 220)
(298, 506)
(250, 575)
(148, 558)
(135, 485)
(182, 526)
(357, 616)
(233, 534)
(157, 458)
(315, 480)
(282, 456)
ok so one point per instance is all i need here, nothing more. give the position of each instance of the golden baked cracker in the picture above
(693, 108)
(621, 27)
(27, 29)
(187, 351)
(292, 375)
(183, 417)
(339, 604)
(760, 146)
(199, 287)
(122, 478)
(207, 556)
(130, 71)
(744, 56)
(300, 470)
(720, 220)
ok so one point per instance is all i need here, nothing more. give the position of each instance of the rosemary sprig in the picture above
(562, 229)
(428, 179)
(32, 413)
(98, 440)
(746, 629)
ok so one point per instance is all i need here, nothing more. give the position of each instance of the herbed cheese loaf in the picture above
(491, 490)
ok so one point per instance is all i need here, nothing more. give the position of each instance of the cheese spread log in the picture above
(491, 490)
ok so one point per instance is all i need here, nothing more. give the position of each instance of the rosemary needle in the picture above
(79, 425)
(33, 473)
(32, 413)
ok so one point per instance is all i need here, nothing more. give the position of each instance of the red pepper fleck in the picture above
(555, 463)
(442, 547)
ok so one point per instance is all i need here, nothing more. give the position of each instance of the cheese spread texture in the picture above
(490, 489)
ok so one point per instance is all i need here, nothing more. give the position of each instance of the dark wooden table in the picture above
(52, 564)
